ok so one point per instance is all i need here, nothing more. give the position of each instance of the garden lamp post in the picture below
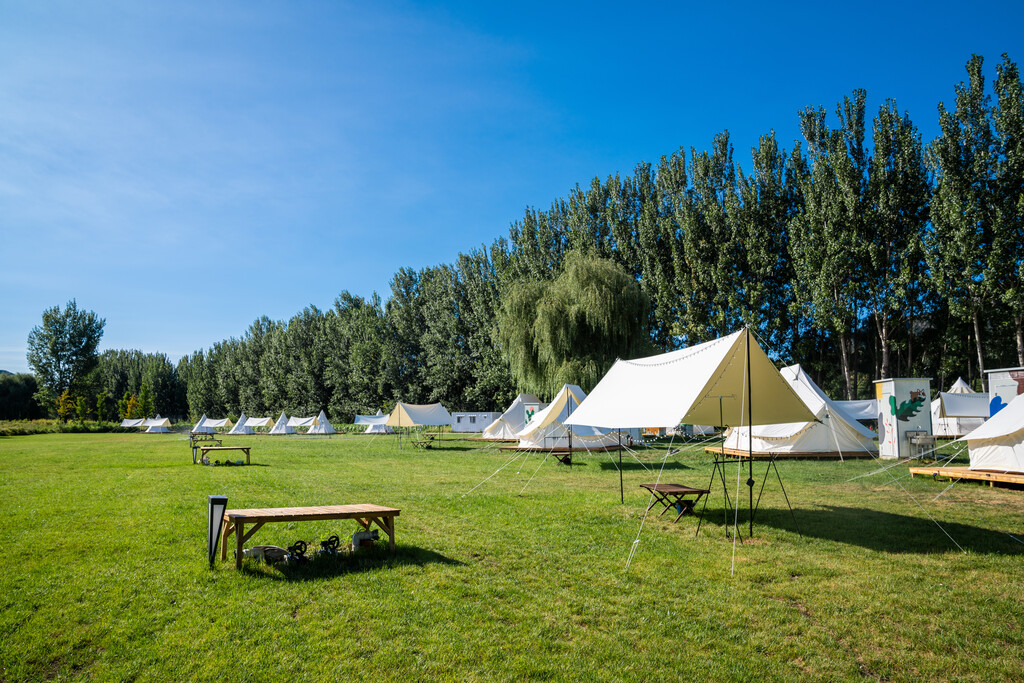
(215, 518)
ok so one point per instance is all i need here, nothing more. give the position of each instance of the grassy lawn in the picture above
(105, 573)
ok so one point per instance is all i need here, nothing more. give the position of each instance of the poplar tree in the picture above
(825, 240)
(962, 206)
(898, 201)
(1008, 238)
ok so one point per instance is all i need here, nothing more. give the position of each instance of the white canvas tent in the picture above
(242, 426)
(259, 422)
(704, 384)
(412, 415)
(282, 426)
(547, 430)
(301, 421)
(375, 424)
(133, 422)
(833, 431)
(998, 445)
(157, 425)
(860, 409)
(513, 420)
(958, 411)
(378, 419)
(321, 425)
(201, 427)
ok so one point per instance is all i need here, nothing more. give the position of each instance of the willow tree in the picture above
(571, 329)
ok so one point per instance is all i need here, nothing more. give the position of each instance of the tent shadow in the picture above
(876, 530)
(369, 559)
(651, 466)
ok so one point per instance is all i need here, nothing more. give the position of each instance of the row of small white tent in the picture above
(152, 425)
(284, 425)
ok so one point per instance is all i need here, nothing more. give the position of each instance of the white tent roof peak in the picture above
(702, 384)
(961, 387)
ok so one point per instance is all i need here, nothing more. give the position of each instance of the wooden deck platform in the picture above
(761, 455)
(967, 474)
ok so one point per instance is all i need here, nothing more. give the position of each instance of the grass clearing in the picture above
(106, 578)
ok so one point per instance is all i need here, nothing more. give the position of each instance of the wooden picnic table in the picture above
(674, 495)
(203, 450)
(365, 514)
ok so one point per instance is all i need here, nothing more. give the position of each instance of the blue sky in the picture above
(183, 168)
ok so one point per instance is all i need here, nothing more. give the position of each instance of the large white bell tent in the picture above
(998, 444)
(207, 426)
(321, 425)
(375, 424)
(710, 383)
(282, 426)
(157, 425)
(834, 432)
(727, 381)
(959, 411)
(547, 429)
(413, 415)
(242, 426)
(514, 419)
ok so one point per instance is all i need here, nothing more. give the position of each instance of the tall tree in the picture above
(825, 237)
(1008, 229)
(962, 207)
(62, 351)
(898, 201)
(768, 201)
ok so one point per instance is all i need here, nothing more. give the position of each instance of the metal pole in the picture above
(622, 496)
(750, 439)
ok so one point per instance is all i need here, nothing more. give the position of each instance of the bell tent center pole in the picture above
(750, 440)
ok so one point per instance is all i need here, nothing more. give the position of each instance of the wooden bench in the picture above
(365, 514)
(203, 450)
(195, 439)
(674, 495)
(426, 443)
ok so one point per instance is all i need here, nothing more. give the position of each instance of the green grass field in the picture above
(105, 574)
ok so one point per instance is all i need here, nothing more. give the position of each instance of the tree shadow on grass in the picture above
(368, 559)
(876, 530)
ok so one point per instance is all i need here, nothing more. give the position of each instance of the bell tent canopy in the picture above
(998, 445)
(703, 384)
(321, 425)
(282, 426)
(412, 415)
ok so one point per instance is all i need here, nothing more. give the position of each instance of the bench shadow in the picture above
(875, 530)
(368, 559)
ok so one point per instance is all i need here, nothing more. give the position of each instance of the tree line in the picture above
(862, 253)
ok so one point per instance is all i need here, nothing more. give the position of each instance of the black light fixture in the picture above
(215, 519)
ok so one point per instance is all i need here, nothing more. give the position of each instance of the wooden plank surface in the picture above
(320, 512)
(969, 474)
(761, 455)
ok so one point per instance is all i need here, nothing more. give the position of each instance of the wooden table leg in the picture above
(225, 531)
(239, 540)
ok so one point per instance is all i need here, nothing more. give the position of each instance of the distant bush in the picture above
(29, 427)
